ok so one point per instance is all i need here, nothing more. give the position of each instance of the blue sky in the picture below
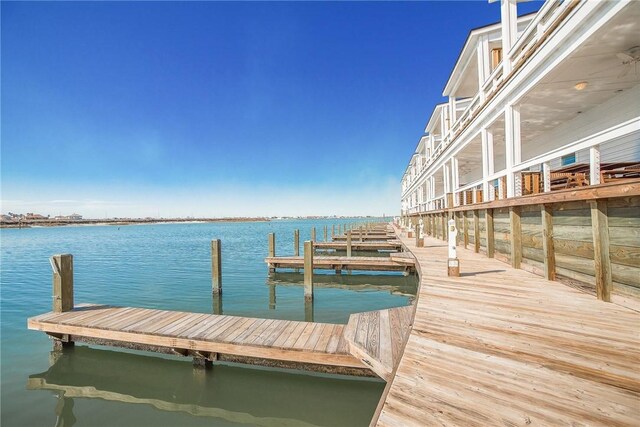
(220, 109)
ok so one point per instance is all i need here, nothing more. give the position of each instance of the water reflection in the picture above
(395, 284)
(245, 395)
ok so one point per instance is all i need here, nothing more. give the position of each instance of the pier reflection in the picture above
(393, 283)
(252, 396)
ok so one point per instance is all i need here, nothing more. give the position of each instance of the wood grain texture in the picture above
(502, 346)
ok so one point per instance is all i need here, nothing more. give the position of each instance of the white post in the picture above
(594, 165)
(509, 24)
(512, 147)
(546, 177)
(452, 110)
(484, 66)
(453, 265)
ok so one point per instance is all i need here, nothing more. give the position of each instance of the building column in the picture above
(512, 149)
(446, 175)
(509, 26)
(452, 111)
(486, 136)
(594, 165)
(484, 64)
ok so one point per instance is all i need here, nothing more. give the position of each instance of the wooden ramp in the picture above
(343, 263)
(378, 337)
(394, 245)
(289, 341)
(501, 346)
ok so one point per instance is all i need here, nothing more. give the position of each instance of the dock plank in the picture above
(502, 346)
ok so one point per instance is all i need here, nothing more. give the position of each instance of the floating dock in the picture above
(389, 245)
(340, 263)
(304, 345)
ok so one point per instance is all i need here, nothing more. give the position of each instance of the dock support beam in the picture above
(216, 266)
(476, 231)
(325, 233)
(546, 212)
(349, 243)
(516, 236)
(313, 234)
(296, 242)
(602, 262)
(308, 270)
(491, 245)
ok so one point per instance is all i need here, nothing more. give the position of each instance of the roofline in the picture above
(472, 34)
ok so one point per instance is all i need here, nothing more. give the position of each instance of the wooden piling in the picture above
(489, 229)
(296, 242)
(361, 234)
(602, 261)
(62, 282)
(216, 266)
(516, 236)
(272, 249)
(325, 233)
(333, 230)
(313, 234)
(546, 212)
(308, 270)
(476, 231)
(349, 243)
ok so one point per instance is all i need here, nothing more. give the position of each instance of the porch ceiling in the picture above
(555, 100)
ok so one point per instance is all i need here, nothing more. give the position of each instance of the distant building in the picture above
(75, 217)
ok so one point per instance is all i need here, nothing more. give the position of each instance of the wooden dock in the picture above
(389, 245)
(340, 263)
(207, 334)
(502, 346)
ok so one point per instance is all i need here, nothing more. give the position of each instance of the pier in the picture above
(340, 263)
(368, 345)
(373, 246)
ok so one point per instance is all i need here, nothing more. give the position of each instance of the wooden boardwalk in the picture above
(290, 341)
(500, 346)
(345, 263)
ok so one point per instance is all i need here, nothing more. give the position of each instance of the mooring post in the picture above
(333, 231)
(272, 250)
(361, 235)
(313, 234)
(296, 242)
(325, 233)
(216, 266)
(308, 270)
(349, 243)
(62, 266)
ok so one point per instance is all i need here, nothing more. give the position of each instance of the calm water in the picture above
(168, 266)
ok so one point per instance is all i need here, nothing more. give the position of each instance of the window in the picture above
(569, 159)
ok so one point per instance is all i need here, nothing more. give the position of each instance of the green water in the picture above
(168, 266)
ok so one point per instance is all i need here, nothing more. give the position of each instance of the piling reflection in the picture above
(245, 395)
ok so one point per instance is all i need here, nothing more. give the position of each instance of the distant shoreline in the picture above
(120, 221)
(37, 223)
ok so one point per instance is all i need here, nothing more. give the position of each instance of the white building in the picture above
(528, 97)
